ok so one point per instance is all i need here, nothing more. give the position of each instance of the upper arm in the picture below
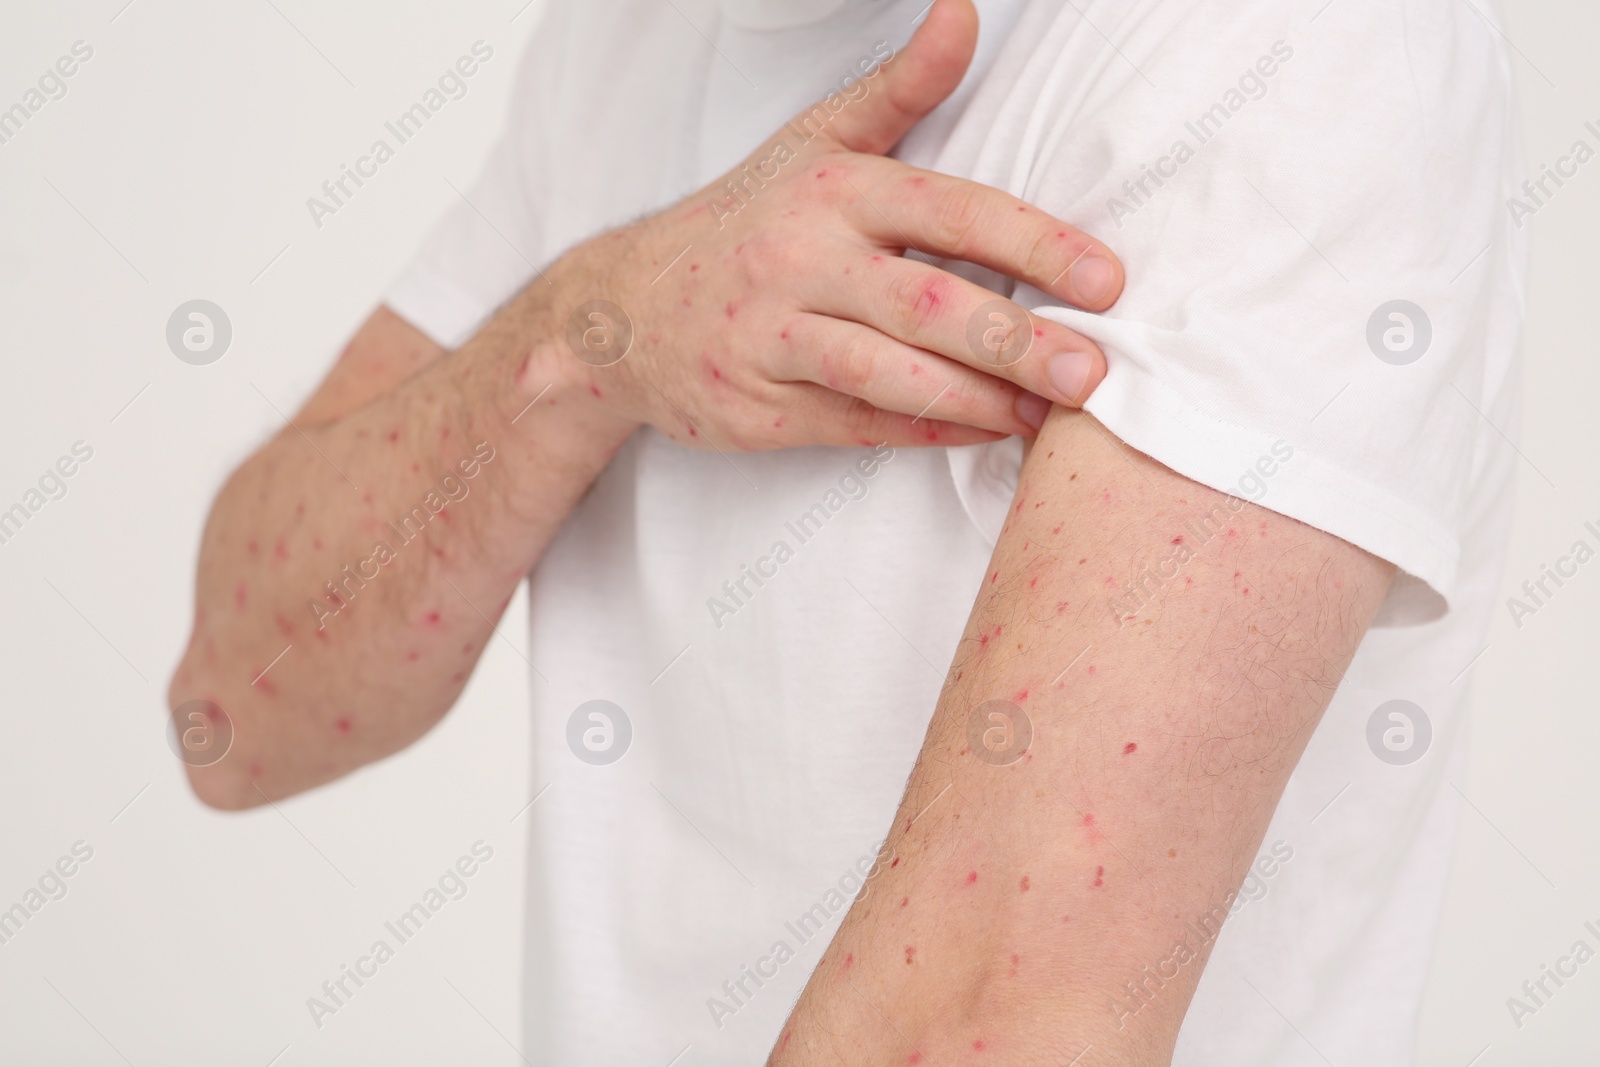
(384, 352)
(1166, 651)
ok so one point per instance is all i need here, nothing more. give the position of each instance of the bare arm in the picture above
(376, 644)
(351, 570)
(1016, 899)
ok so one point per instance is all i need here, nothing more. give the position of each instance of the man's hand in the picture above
(1157, 655)
(774, 308)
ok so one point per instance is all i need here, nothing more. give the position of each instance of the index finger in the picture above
(906, 207)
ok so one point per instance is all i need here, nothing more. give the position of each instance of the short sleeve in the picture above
(1323, 278)
(492, 240)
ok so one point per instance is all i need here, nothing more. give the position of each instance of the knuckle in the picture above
(914, 301)
(956, 215)
(1043, 251)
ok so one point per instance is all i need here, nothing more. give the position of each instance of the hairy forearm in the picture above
(366, 558)
(1016, 901)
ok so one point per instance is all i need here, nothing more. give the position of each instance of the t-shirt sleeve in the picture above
(491, 242)
(1323, 283)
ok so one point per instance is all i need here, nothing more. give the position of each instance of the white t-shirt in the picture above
(1273, 175)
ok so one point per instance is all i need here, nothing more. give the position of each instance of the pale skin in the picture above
(1013, 901)
(794, 322)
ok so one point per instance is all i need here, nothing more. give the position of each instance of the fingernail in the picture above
(1092, 278)
(1032, 408)
(1069, 372)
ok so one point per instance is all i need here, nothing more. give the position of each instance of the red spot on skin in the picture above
(320, 635)
(1106, 496)
(1130, 747)
(444, 433)
(777, 423)
(1177, 540)
(394, 437)
(266, 687)
(1023, 888)
(240, 595)
(316, 543)
(688, 303)
(983, 640)
(342, 724)
(1247, 591)
(1063, 606)
(432, 618)
(738, 248)
(413, 656)
(972, 876)
(911, 953)
(995, 577)
(255, 770)
(1061, 233)
(595, 389)
(693, 267)
(822, 174)
(997, 629)
(895, 862)
(908, 826)
(1066, 918)
(1021, 696)
(783, 1042)
(1233, 533)
(915, 1057)
(459, 677)
(693, 432)
(1088, 819)
(1015, 959)
(279, 551)
(366, 498)
(1058, 527)
(849, 958)
(299, 510)
(213, 713)
(904, 901)
(252, 547)
(1040, 504)
(979, 1046)
(731, 310)
(1033, 583)
(919, 181)
(783, 335)
(1019, 506)
(1091, 668)
(1236, 575)
(1099, 877)
(285, 627)
(1188, 581)
(876, 259)
(466, 649)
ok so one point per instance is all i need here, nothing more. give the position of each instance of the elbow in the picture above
(203, 736)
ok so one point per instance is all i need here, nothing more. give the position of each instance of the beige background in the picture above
(176, 167)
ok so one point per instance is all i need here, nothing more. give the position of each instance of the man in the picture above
(1283, 506)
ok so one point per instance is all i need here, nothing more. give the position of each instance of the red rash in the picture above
(849, 958)
(433, 618)
(895, 862)
(911, 953)
(972, 876)
(240, 594)
(1099, 877)
(904, 901)
(394, 437)
(343, 724)
(1129, 747)
(1023, 887)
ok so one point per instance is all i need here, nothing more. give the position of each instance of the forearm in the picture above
(366, 558)
(1018, 900)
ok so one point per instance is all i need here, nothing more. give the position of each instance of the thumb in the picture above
(910, 84)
